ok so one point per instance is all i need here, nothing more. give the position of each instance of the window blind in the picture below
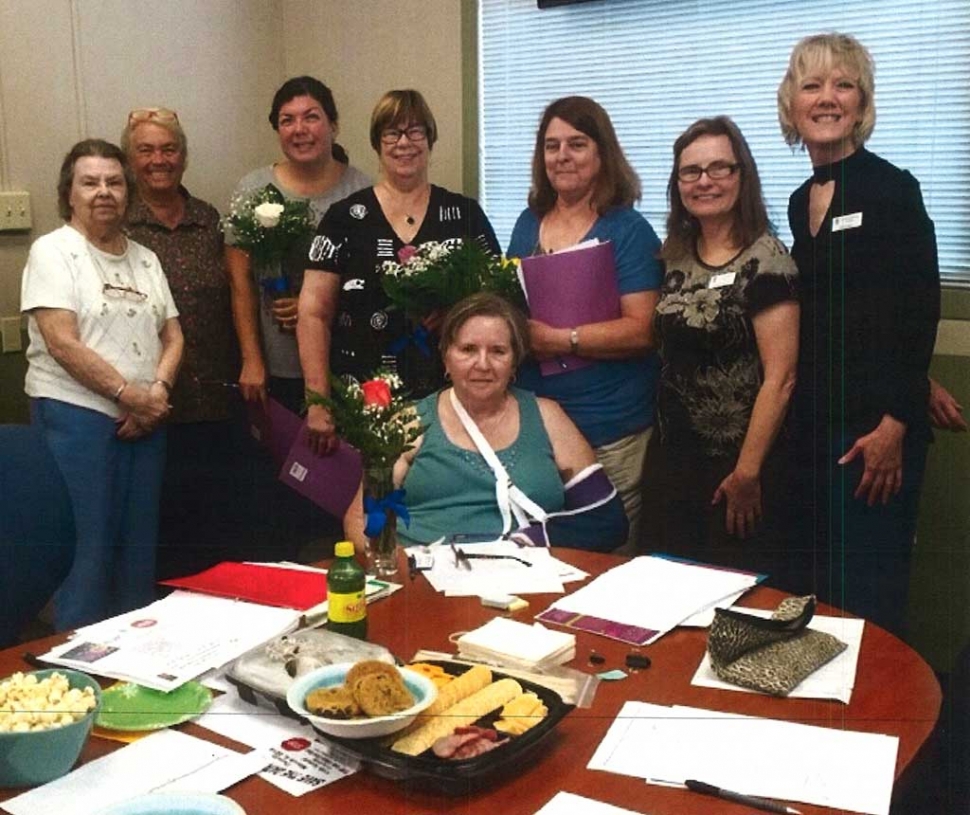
(657, 65)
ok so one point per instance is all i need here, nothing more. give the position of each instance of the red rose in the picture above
(377, 392)
(406, 252)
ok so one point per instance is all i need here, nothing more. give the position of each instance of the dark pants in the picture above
(680, 520)
(853, 556)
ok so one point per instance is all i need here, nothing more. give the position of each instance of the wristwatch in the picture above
(574, 341)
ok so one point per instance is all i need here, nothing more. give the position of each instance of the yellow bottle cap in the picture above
(344, 549)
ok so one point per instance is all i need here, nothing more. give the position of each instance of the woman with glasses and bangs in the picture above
(727, 328)
(345, 325)
(105, 348)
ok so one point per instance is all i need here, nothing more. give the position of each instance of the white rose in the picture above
(268, 214)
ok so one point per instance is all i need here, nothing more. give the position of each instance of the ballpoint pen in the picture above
(764, 804)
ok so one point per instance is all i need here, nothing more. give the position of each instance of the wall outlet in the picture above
(10, 334)
(14, 211)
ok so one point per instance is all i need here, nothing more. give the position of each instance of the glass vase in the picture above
(382, 546)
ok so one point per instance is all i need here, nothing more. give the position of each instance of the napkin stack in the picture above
(511, 644)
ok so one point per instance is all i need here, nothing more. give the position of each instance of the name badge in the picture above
(852, 221)
(719, 281)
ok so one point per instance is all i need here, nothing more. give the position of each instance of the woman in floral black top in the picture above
(727, 326)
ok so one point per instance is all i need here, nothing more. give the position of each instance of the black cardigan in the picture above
(870, 298)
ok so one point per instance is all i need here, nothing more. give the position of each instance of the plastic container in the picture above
(264, 674)
(460, 777)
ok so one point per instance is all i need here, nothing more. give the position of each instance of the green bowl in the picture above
(40, 756)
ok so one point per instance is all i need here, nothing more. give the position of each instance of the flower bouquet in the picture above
(382, 424)
(266, 224)
(435, 276)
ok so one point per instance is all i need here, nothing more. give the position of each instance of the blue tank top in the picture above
(452, 490)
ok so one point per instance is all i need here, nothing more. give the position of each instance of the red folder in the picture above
(267, 585)
(571, 288)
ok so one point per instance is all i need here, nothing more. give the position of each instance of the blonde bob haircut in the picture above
(400, 109)
(820, 54)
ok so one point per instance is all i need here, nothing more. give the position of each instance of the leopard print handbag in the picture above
(771, 655)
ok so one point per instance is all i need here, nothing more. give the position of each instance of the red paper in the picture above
(267, 585)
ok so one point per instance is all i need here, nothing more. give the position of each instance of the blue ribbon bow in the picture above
(275, 285)
(420, 337)
(375, 510)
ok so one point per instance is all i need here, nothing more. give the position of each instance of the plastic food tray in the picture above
(458, 777)
(260, 675)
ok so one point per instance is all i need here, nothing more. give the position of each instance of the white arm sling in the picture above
(511, 500)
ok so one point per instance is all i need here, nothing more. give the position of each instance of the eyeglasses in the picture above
(415, 133)
(123, 292)
(716, 170)
(147, 114)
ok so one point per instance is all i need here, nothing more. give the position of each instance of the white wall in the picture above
(70, 69)
(362, 48)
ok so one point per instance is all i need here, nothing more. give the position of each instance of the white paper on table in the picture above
(567, 572)
(654, 593)
(257, 727)
(221, 773)
(144, 766)
(566, 803)
(834, 680)
(704, 617)
(788, 761)
(298, 761)
(490, 577)
(171, 641)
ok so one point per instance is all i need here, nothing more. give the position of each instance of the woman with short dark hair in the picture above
(316, 169)
(105, 348)
(346, 325)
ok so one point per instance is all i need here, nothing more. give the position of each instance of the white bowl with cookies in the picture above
(361, 700)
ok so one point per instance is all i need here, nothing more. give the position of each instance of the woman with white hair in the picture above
(870, 298)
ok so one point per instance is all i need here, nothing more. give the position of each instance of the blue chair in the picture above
(37, 537)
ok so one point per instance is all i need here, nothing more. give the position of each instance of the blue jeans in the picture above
(114, 487)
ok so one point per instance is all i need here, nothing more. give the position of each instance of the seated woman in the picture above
(552, 490)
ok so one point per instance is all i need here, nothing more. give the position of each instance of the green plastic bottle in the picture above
(346, 603)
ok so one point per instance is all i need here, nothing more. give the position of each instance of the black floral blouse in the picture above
(193, 261)
(710, 368)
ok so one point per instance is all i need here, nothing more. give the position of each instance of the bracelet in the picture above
(574, 341)
(164, 384)
(116, 398)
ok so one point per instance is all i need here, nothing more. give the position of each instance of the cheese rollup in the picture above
(461, 714)
(461, 687)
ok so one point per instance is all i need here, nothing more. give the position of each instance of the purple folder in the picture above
(275, 427)
(572, 288)
(330, 481)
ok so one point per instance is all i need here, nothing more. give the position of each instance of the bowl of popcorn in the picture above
(45, 719)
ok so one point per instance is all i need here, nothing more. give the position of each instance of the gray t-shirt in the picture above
(279, 348)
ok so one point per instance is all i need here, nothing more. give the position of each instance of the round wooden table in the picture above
(896, 693)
